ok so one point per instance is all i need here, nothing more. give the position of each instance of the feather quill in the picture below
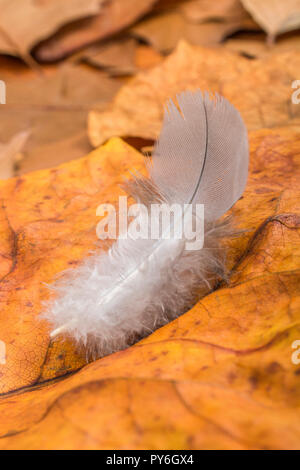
(119, 296)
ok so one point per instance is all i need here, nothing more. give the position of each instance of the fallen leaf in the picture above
(204, 10)
(48, 149)
(255, 45)
(66, 85)
(115, 16)
(219, 377)
(165, 31)
(117, 57)
(146, 57)
(48, 223)
(55, 107)
(260, 89)
(121, 57)
(275, 16)
(10, 154)
(167, 5)
(23, 23)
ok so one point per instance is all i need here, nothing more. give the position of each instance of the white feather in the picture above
(118, 296)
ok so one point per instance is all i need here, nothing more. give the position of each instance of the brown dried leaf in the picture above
(54, 106)
(10, 154)
(116, 56)
(260, 89)
(275, 16)
(121, 57)
(204, 10)
(115, 15)
(255, 46)
(23, 23)
(146, 57)
(165, 31)
(167, 5)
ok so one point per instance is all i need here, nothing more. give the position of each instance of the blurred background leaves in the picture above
(61, 59)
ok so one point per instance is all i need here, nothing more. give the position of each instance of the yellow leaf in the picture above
(48, 223)
(219, 377)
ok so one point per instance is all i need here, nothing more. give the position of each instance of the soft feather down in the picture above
(105, 307)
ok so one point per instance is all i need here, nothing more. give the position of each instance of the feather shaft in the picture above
(114, 298)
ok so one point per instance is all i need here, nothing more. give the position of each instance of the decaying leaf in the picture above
(54, 106)
(65, 85)
(275, 16)
(120, 57)
(23, 23)
(115, 15)
(146, 57)
(255, 45)
(167, 5)
(116, 56)
(10, 154)
(165, 31)
(205, 10)
(260, 89)
(48, 223)
(219, 377)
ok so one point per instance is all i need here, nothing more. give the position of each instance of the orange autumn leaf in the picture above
(219, 377)
(47, 224)
(261, 90)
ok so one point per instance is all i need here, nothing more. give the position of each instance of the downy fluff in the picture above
(119, 296)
